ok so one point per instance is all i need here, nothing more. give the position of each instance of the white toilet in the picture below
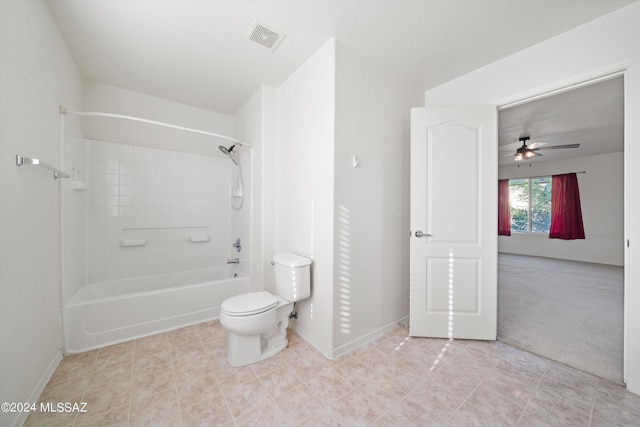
(257, 321)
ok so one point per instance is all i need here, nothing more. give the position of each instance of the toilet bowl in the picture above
(257, 324)
(257, 321)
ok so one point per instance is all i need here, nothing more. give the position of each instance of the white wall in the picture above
(602, 202)
(103, 98)
(248, 124)
(268, 209)
(305, 185)
(37, 74)
(371, 244)
(352, 222)
(255, 124)
(578, 54)
(602, 46)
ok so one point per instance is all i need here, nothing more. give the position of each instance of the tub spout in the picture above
(233, 261)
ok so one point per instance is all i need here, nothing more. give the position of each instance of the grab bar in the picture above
(57, 173)
(197, 238)
(125, 243)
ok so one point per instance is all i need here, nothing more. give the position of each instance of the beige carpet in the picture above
(567, 311)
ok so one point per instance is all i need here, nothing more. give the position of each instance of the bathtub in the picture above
(110, 312)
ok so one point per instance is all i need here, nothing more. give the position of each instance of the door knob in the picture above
(421, 234)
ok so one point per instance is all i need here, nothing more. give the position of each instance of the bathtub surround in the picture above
(161, 199)
(133, 139)
(157, 203)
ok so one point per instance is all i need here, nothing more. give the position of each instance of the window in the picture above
(530, 204)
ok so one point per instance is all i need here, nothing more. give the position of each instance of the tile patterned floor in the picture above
(181, 378)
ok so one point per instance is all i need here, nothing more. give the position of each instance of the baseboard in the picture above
(359, 342)
(311, 340)
(352, 345)
(37, 391)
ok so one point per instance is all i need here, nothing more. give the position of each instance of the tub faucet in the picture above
(233, 260)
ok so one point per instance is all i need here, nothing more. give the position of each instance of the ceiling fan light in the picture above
(529, 153)
(518, 156)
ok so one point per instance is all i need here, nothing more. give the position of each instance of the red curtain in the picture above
(566, 214)
(504, 213)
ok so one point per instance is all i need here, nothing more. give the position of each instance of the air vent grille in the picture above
(265, 37)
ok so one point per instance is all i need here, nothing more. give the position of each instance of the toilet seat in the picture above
(249, 304)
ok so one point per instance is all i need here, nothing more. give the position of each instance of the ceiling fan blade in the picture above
(556, 147)
(537, 144)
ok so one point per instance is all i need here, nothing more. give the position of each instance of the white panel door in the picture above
(454, 242)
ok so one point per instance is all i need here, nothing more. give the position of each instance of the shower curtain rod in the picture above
(63, 110)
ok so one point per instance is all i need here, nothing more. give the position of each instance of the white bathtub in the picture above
(105, 313)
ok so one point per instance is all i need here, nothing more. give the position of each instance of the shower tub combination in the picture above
(111, 312)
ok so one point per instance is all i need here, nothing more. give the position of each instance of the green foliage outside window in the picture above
(530, 205)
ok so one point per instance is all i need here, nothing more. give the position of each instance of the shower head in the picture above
(228, 152)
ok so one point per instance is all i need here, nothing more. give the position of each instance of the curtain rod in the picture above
(63, 110)
(544, 176)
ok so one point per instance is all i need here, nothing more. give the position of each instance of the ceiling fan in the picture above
(530, 151)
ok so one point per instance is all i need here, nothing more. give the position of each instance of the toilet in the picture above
(257, 321)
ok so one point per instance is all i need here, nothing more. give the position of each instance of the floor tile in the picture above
(565, 411)
(246, 396)
(459, 380)
(470, 415)
(613, 402)
(358, 408)
(531, 418)
(298, 403)
(428, 404)
(182, 378)
(266, 415)
(210, 412)
(148, 385)
(328, 385)
(280, 380)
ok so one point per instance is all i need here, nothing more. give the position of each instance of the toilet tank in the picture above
(293, 276)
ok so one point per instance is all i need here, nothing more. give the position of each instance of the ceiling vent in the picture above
(265, 37)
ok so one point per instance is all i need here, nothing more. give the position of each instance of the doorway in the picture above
(538, 310)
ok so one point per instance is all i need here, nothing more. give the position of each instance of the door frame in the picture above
(630, 70)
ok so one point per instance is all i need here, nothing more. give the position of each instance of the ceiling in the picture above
(591, 115)
(197, 52)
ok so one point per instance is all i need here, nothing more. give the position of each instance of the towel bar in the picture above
(57, 173)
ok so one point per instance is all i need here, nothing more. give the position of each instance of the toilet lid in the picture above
(248, 304)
